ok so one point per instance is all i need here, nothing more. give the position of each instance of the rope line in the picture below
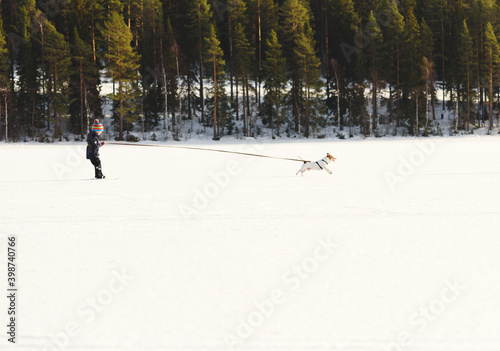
(214, 150)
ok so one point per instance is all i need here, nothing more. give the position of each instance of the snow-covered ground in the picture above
(194, 250)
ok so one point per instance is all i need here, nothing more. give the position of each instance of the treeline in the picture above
(288, 64)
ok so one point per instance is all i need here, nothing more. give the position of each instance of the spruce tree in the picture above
(375, 37)
(344, 51)
(4, 59)
(199, 27)
(428, 70)
(309, 72)
(275, 78)
(215, 64)
(28, 54)
(295, 21)
(241, 57)
(235, 16)
(4, 73)
(263, 18)
(85, 81)
(393, 38)
(152, 35)
(122, 62)
(466, 63)
(491, 63)
(411, 71)
(57, 59)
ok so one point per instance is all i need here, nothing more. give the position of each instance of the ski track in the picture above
(198, 255)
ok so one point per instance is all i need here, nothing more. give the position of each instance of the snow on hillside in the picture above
(193, 250)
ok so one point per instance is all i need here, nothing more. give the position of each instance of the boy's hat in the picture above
(97, 127)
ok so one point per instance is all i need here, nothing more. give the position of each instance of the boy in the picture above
(93, 145)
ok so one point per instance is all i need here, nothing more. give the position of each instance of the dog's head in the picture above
(330, 157)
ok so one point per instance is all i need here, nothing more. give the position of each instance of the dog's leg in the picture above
(302, 169)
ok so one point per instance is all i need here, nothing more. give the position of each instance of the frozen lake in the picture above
(179, 249)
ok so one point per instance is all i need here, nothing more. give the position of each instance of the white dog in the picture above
(318, 165)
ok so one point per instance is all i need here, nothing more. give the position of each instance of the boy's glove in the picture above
(102, 143)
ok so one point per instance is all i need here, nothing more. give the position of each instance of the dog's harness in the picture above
(320, 165)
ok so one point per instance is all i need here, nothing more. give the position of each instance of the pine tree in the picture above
(215, 64)
(466, 62)
(241, 58)
(28, 63)
(481, 14)
(199, 27)
(151, 37)
(85, 83)
(263, 18)
(170, 58)
(412, 69)
(393, 38)
(275, 78)
(4, 59)
(428, 70)
(58, 62)
(235, 16)
(492, 62)
(4, 72)
(309, 71)
(343, 26)
(375, 37)
(344, 51)
(443, 15)
(295, 19)
(122, 63)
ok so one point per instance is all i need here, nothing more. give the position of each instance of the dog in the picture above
(318, 165)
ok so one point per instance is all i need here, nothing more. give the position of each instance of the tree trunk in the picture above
(6, 120)
(179, 87)
(215, 96)
(190, 114)
(337, 82)
(306, 132)
(466, 122)
(327, 59)
(33, 107)
(260, 53)
(165, 96)
(271, 122)
(237, 101)
(200, 48)
(443, 57)
(81, 99)
(245, 131)
(1, 132)
(374, 89)
(426, 107)
(93, 36)
(398, 97)
(457, 114)
(230, 56)
(416, 115)
(490, 94)
(249, 116)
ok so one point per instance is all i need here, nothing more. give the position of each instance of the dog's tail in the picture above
(303, 159)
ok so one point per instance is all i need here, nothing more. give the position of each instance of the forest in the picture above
(237, 66)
